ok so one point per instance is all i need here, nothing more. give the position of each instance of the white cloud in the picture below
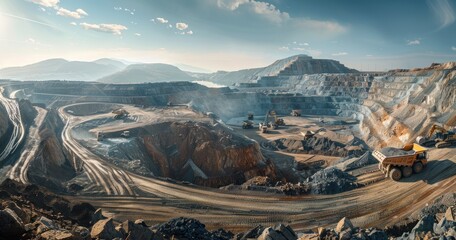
(413, 42)
(284, 48)
(31, 41)
(161, 20)
(43, 9)
(267, 10)
(170, 26)
(73, 23)
(453, 48)
(340, 54)
(181, 26)
(443, 12)
(327, 27)
(138, 34)
(190, 32)
(303, 44)
(118, 8)
(115, 29)
(46, 3)
(79, 13)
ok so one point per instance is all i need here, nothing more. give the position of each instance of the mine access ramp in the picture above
(401, 162)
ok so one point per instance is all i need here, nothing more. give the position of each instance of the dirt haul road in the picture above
(379, 204)
(14, 114)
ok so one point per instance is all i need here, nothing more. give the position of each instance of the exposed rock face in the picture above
(205, 154)
(51, 160)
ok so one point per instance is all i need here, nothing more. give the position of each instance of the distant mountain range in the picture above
(117, 71)
(61, 69)
(140, 73)
(294, 65)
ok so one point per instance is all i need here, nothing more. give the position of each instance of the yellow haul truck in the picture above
(396, 163)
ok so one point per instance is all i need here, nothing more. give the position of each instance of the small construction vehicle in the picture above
(396, 163)
(250, 116)
(100, 136)
(120, 113)
(263, 127)
(442, 138)
(277, 121)
(247, 124)
(296, 112)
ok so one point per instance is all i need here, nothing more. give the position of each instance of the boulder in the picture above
(286, 231)
(45, 224)
(136, 230)
(25, 216)
(322, 232)
(81, 232)
(425, 224)
(344, 224)
(252, 233)
(57, 235)
(97, 216)
(345, 234)
(450, 214)
(377, 235)
(104, 229)
(279, 232)
(11, 226)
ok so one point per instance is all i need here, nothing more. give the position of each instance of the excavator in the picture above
(277, 121)
(120, 113)
(264, 126)
(443, 138)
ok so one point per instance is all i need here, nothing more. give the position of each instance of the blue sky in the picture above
(230, 34)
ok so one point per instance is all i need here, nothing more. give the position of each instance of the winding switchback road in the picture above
(17, 135)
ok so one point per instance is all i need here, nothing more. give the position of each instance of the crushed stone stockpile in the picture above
(315, 145)
(332, 181)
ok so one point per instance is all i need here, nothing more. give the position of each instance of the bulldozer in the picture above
(439, 137)
(120, 113)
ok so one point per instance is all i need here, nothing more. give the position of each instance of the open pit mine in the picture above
(301, 149)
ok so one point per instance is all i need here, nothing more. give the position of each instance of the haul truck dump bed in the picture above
(397, 163)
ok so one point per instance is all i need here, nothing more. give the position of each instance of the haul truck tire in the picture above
(395, 174)
(407, 171)
(418, 167)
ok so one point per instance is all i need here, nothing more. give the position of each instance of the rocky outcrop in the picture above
(205, 154)
(191, 229)
(51, 160)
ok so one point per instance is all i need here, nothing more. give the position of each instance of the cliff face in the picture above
(199, 152)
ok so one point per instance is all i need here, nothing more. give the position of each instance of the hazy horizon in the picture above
(229, 34)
